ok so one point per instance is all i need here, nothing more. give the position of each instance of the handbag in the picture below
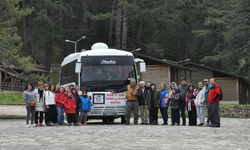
(33, 103)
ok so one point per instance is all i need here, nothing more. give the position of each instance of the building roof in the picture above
(142, 56)
(212, 69)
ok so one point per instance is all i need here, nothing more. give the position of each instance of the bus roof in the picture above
(96, 52)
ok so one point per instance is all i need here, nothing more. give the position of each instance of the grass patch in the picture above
(55, 77)
(11, 99)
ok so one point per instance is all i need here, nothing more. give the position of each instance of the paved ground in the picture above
(234, 134)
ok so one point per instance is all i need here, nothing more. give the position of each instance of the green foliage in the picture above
(11, 99)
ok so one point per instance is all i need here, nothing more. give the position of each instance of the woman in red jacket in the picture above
(70, 108)
(59, 97)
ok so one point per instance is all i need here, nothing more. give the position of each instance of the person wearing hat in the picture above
(207, 88)
(183, 89)
(40, 104)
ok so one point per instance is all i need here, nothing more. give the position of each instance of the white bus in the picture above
(99, 71)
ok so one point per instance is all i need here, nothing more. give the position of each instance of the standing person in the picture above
(213, 99)
(70, 108)
(46, 89)
(148, 84)
(40, 104)
(183, 89)
(207, 86)
(85, 107)
(71, 86)
(142, 98)
(175, 112)
(200, 103)
(153, 102)
(57, 88)
(172, 85)
(164, 104)
(78, 102)
(78, 90)
(132, 100)
(29, 98)
(60, 105)
(51, 105)
(190, 98)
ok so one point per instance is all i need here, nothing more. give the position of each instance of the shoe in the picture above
(207, 124)
(33, 125)
(142, 123)
(76, 124)
(165, 123)
(135, 123)
(127, 123)
(69, 124)
(49, 124)
(146, 123)
(201, 124)
(172, 124)
(183, 124)
(27, 126)
(55, 124)
(216, 126)
(41, 125)
(64, 123)
(156, 123)
(37, 125)
(85, 124)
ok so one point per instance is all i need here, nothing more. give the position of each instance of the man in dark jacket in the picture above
(214, 100)
(143, 90)
(182, 89)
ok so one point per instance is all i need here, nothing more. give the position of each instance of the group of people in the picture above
(149, 99)
(52, 102)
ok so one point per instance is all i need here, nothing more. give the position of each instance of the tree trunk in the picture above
(111, 23)
(84, 14)
(24, 31)
(139, 34)
(63, 50)
(178, 53)
(118, 26)
(48, 57)
(124, 30)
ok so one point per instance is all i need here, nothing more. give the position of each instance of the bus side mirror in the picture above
(78, 67)
(142, 67)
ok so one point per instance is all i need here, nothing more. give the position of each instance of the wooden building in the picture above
(235, 89)
(158, 71)
(10, 80)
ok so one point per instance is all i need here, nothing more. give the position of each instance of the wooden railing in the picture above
(14, 86)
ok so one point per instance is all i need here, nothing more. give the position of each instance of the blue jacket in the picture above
(207, 90)
(163, 93)
(86, 104)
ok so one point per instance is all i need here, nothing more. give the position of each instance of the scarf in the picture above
(40, 92)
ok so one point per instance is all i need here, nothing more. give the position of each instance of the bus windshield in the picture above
(102, 73)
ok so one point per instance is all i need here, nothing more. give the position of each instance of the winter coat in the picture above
(175, 101)
(157, 98)
(70, 105)
(164, 93)
(200, 98)
(142, 95)
(183, 91)
(40, 101)
(207, 90)
(85, 103)
(28, 96)
(78, 101)
(50, 98)
(60, 98)
(190, 96)
(213, 95)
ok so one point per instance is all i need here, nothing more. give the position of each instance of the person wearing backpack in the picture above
(213, 99)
